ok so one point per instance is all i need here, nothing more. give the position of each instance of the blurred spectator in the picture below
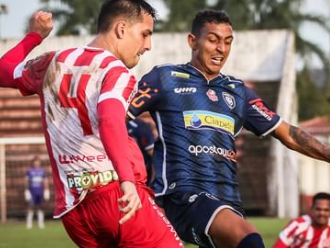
(309, 231)
(37, 190)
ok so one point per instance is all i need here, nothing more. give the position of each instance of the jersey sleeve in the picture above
(260, 119)
(148, 139)
(27, 76)
(114, 98)
(118, 84)
(148, 95)
(286, 236)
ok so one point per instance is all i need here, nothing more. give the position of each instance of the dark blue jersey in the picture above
(197, 122)
(141, 132)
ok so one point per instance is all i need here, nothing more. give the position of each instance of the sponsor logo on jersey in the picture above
(166, 221)
(199, 119)
(212, 95)
(142, 95)
(229, 100)
(180, 74)
(259, 106)
(196, 237)
(89, 180)
(185, 90)
(71, 159)
(212, 150)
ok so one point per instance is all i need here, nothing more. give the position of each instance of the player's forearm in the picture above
(113, 134)
(16, 55)
(308, 145)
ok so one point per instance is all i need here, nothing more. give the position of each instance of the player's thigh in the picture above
(95, 221)
(77, 231)
(228, 228)
(149, 228)
(193, 214)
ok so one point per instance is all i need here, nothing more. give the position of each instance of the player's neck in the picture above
(102, 41)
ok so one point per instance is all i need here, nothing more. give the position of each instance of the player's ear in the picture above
(120, 29)
(192, 41)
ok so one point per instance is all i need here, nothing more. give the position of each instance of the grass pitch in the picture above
(14, 234)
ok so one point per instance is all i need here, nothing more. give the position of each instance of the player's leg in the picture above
(149, 228)
(29, 218)
(41, 217)
(197, 220)
(94, 223)
(230, 230)
(39, 208)
(30, 211)
(77, 226)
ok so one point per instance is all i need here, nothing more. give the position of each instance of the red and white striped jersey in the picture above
(299, 233)
(72, 84)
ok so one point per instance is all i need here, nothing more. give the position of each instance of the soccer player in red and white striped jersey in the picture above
(309, 231)
(98, 171)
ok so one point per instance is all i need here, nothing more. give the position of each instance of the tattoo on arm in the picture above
(310, 145)
(300, 137)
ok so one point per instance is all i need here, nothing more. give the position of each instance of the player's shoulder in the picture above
(231, 80)
(304, 219)
(170, 67)
(172, 70)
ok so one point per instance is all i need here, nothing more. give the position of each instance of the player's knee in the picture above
(252, 240)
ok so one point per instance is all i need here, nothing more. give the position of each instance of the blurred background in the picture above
(281, 49)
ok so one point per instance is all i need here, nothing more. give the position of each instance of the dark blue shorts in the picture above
(37, 198)
(192, 215)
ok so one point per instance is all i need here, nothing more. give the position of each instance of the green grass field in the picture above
(14, 234)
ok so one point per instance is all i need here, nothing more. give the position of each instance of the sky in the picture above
(13, 23)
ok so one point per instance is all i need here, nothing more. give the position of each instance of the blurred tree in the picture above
(311, 102)
(181, 14)
(75, 17)
(286, 14)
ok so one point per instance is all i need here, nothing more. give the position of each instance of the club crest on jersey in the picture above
(229, 100)
(212, 95)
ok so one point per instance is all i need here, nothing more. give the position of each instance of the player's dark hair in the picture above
(131, 10)
(208, 16)
(321, 196)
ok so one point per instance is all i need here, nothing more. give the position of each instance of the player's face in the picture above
(321, 213)
(211, 49)
(37, 163)
(138, 40)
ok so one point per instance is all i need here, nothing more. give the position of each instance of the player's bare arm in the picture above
(41, 22)
(297, 139)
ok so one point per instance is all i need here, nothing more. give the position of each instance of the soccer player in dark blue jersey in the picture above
(141, 132)
(198, 113)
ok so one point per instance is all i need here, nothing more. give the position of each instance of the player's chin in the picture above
(133, 62)
(215, 68)
(322, 220)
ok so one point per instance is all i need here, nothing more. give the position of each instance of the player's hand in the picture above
(46, 194)
(129, 202)
(27, 195)
(41, 22)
